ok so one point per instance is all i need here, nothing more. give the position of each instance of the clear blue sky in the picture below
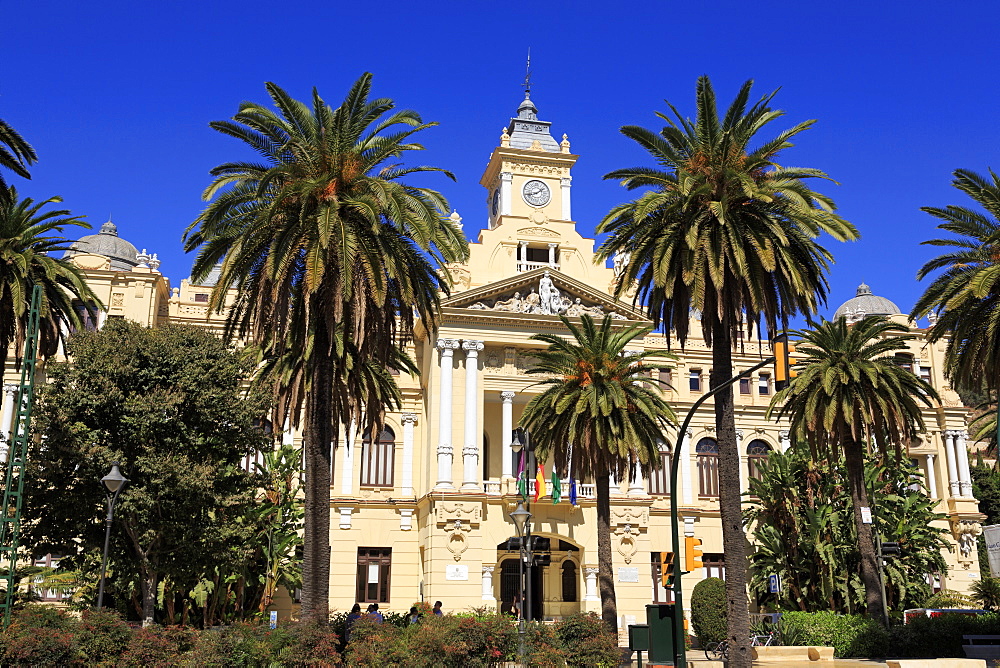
(116, 97)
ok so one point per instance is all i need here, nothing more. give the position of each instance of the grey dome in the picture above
(526, 129)
(107, 243)
(865, 303)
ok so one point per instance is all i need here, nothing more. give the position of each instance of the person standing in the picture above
(437, 608)
(414, 617)
(375, 614)
(353, 617)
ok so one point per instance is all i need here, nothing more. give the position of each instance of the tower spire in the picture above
(527, 77)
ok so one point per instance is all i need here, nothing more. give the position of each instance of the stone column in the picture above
(409, 419)
(488, 583)
(636, 485)
(552, 254)
(506, 186)
(473, 437)
(949, 451)
(931, 478)
(521, 266)
(684, 461)
(784, 440)
(507, 429)
(567, 211)
(590, 580)
(7, 426)
(962, 455)
(347, 464)
(444, 451)
(744, 462)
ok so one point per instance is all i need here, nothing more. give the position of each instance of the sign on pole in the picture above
(991, 535)
(274, 619)
(773, 584)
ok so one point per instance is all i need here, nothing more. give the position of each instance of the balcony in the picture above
(509, 487)
(525, 265)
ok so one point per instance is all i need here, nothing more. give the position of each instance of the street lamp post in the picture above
(113, 482)
(522, 523)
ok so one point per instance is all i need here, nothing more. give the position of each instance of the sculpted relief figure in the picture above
(532, 303)
(552, 302)
(512, 304)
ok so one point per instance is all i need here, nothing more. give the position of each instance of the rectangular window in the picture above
(744, 386)
(764, 384)
(373, 574)
(694, 382)
(201, 297)
(708, 475)
(660, 593)
(925, 374)
(377, 462)
(87, 318)
(666, 380)
(715, 565)
(659, 481)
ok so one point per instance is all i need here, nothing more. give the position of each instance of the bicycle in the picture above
(716, 651)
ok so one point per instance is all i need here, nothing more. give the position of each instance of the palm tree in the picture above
(966, 296)
(724, 230)
(26, 245)
(606, 405)
(849, 393)
(15, 155)
(333, 258)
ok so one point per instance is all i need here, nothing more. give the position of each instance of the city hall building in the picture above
(421, 510)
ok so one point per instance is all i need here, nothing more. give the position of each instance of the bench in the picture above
(981, 646)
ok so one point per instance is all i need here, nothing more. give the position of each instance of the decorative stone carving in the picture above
(630, 517)
(546, 300)
(461, 277)
(966, 532)
(538, 232)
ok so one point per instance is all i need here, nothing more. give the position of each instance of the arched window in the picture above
(377, 459)
(659, 481)
(708, 466)
(757, 452)
(568, 581)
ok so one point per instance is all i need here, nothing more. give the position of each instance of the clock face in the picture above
(496, 201)
(536, 193)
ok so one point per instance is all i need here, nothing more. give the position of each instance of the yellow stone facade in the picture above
(423, 513)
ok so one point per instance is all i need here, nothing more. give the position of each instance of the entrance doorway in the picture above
(554, 587)
(510, 586)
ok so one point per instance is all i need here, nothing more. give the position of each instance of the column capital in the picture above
(447, 344)
(565, 181)
(783, 434)
(591, 570)
(488, 569)
(10, 388)
(739, 435)
(471, 347)
(506, 176)
(552, 244)
(408, 418)
(507, 396)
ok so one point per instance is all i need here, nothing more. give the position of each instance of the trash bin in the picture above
(660, 620)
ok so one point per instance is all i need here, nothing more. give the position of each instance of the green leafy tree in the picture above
(986, 592)
(169, 404)
(279, 513)
(27, 243)
(608, 407)
(16, 155)
(725, 230)
(801, 515)
(333, 258)
(966, 294)
(849, 393)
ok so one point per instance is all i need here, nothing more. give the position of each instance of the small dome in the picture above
(864, 304)
(122, 254)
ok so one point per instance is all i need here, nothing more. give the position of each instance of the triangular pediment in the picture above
(541, 292)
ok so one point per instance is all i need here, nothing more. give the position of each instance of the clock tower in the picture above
(529, 218)
(528, 176)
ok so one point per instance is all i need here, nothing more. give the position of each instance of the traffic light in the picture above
(541, 559)
(541, 544)
(890, 549)
(514, 543)
(783, 372)
(667, 569)
(692, 553)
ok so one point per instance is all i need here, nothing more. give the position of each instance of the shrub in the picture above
(947, 598)
(311, 645)
(40, 636)
(708, 610)
(252, 644)
(210, 650)
(103, 636)
(940, 636)
(587, 641)
(849, 635)
(542, 648)
(157, 646)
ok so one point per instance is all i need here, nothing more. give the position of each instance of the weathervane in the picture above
(527, 76)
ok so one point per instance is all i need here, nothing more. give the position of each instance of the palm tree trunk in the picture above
(854, 458)
(316, 538)
(605, 572)
(734, 541)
